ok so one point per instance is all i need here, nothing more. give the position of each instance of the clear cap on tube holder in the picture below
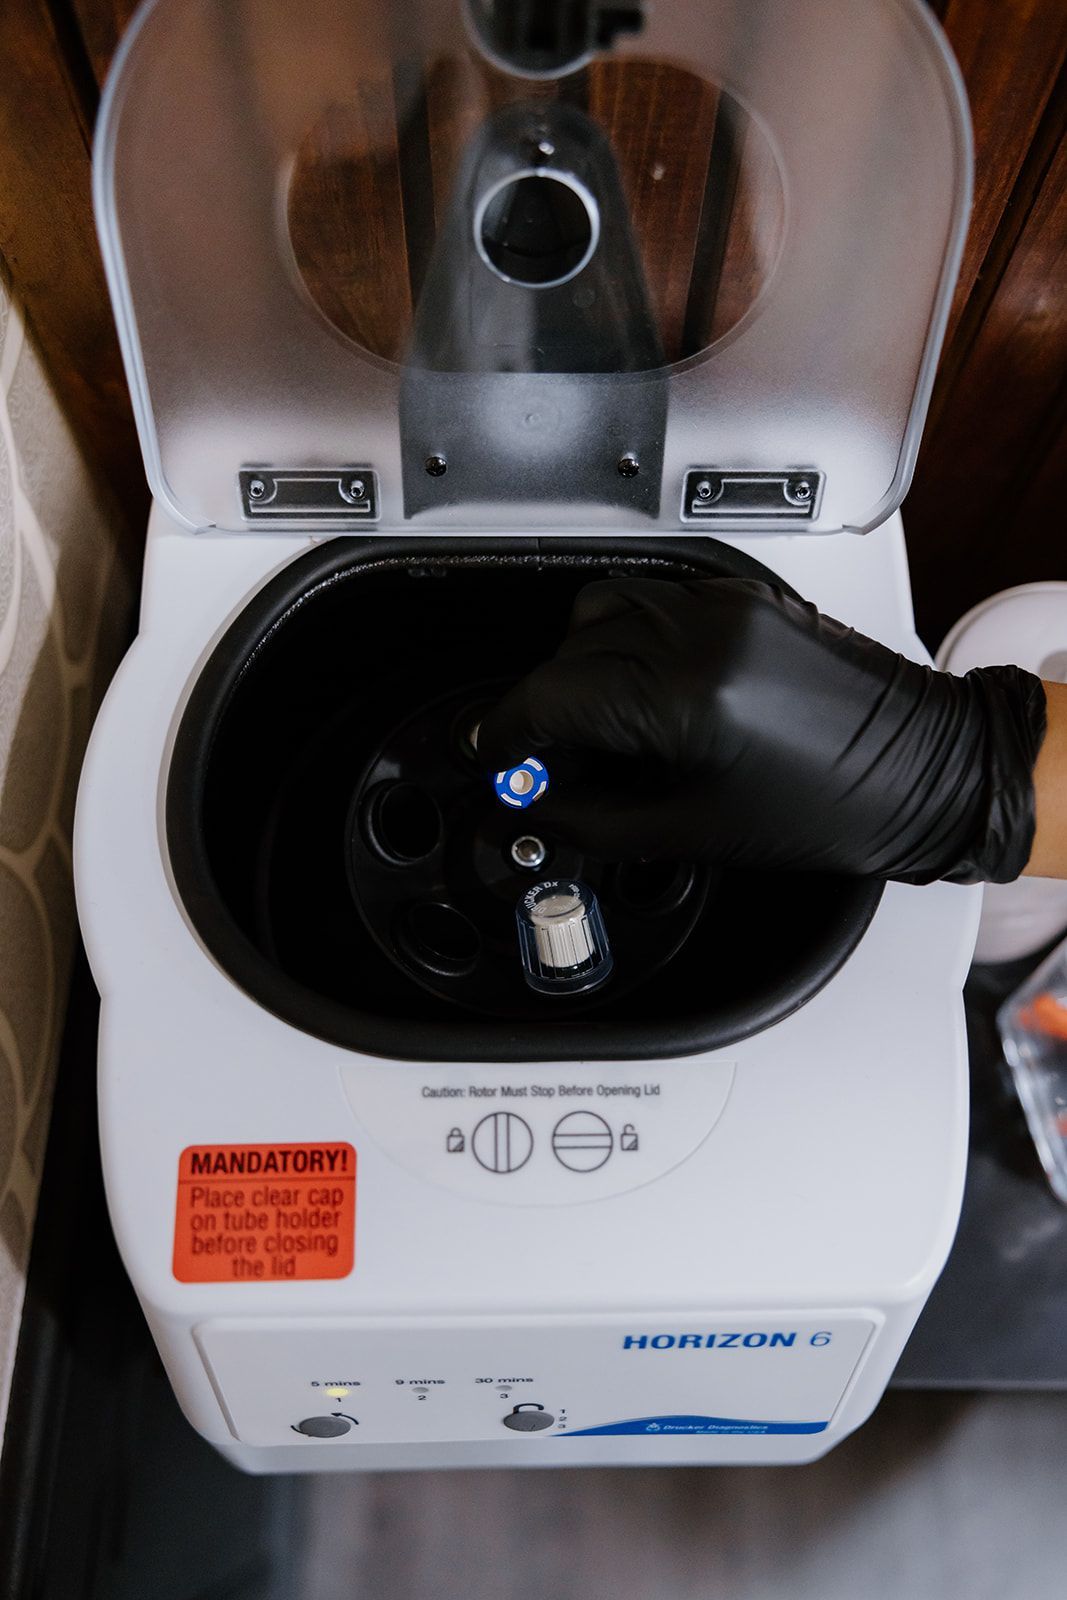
(562, 939)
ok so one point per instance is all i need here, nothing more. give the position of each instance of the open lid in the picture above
(471, 264)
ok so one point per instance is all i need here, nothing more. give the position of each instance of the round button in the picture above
(323, 1427)
(502, 1142)
(582, 1141)
(528, 1419)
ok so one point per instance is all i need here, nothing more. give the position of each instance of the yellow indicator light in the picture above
(335, 1392)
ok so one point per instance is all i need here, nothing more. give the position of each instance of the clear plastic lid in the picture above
(467, 264)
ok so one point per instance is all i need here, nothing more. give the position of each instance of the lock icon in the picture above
(530, 1417)
(455, 1144)
(628, 1137)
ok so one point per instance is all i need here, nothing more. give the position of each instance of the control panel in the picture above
(689, 1374)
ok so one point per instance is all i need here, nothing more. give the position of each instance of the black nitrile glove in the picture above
(721, 720)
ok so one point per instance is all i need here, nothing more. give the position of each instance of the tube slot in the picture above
(436, 936)
(652, 888)
(402, 823)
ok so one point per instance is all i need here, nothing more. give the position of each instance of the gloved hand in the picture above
(722, 720)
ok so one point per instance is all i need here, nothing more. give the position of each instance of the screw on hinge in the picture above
(357, 488)
(436, 466)
(257, 489)
(629, 466)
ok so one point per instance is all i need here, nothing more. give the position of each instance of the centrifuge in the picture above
(433, 315)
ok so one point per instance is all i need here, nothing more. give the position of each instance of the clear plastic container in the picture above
(562, 939)
(1033, 1027)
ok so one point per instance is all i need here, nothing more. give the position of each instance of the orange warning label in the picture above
(259, 1212)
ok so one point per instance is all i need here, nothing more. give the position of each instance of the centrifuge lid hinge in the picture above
(294, 495)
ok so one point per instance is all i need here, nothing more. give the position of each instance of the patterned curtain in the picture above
(64, 610)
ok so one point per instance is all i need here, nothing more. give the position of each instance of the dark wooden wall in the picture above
(987, 506)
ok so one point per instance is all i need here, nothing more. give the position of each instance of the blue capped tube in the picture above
(518, 787)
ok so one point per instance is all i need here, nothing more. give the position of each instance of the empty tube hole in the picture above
(440, 938)
(403, 823)
(652, 888)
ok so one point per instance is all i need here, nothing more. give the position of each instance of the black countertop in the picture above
(998, 1316)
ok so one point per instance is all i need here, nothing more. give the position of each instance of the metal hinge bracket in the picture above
(713, 494)
(308, 494)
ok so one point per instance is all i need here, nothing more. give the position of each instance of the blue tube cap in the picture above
(518, 787)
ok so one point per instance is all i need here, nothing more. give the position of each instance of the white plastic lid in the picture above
(1023, 627)
(683, 264)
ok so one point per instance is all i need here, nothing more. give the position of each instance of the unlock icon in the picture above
(455, 1144)
(628, 1137)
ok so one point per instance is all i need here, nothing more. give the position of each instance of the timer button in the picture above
(528, 1418)
(323, 1427)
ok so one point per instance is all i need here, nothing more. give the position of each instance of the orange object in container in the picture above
(1033, 1028)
